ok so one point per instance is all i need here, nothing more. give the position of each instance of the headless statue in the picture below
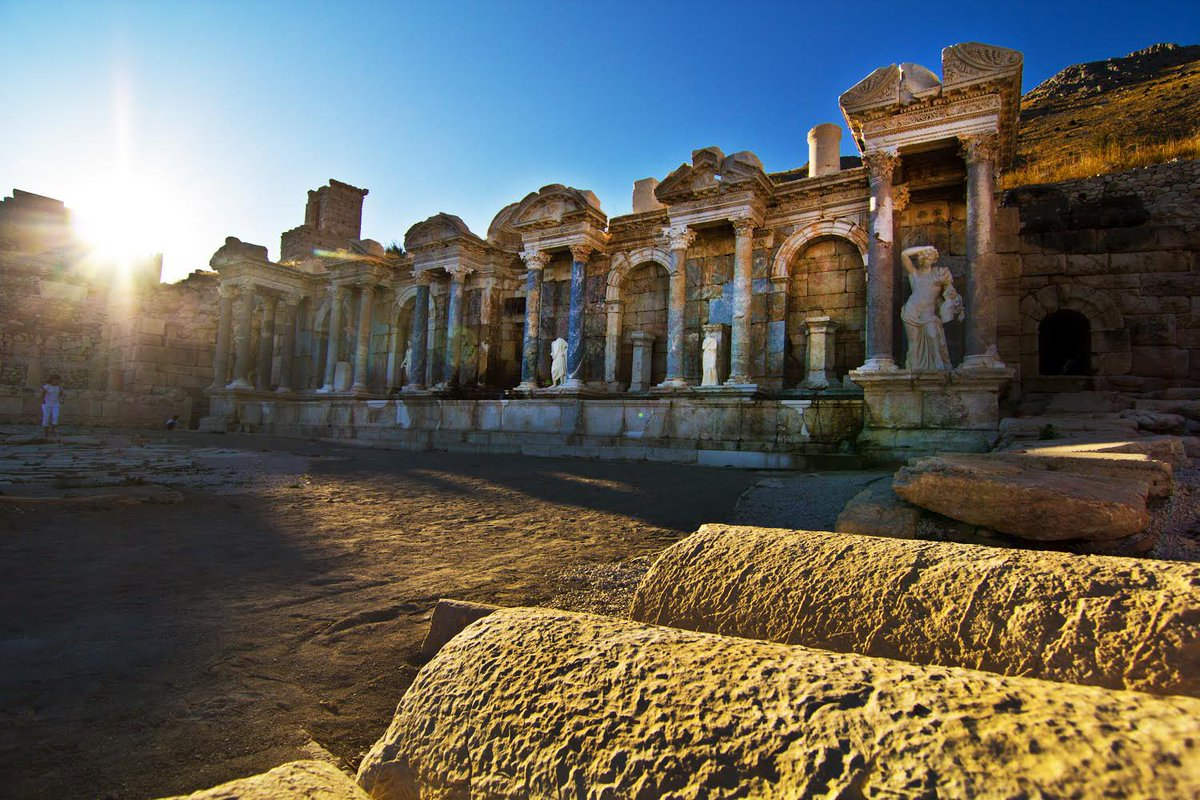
(558, 361)
(709, 361)
(933, 302)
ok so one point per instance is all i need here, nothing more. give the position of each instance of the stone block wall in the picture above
(828, 279)
(1121, 249)
(645, 295)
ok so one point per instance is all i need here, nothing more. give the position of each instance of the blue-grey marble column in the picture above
(679, 239)
(419, 334)
(454, 327)
(739, 342)
(881, 268)
(579, 258)
(535, 262)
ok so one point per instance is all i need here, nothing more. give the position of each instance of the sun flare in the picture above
(125, 217)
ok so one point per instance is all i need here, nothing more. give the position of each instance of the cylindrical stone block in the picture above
(543, 703)
(824, 150)
(1113, 622)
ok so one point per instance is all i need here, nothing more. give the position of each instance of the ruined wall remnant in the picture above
(1113, 622)
(541, 703)
(332, 217)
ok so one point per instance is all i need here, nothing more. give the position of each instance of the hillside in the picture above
(1111, 115)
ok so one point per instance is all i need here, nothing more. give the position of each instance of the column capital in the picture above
(679, 237)
(535, 259)
(581, 252)
(422, 277)
(365, 283)
(229, 290)
(337, 290)
(458, 272)
(292, 299)
(979, 148)
(743, 226)
(880, 164)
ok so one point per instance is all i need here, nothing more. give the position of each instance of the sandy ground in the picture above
(273, 610)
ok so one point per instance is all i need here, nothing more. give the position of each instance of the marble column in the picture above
(980, 153)
(454, 326)
(266, 344)
(739, 356)
(535, 263)
(679, 239)
(419, 334)
(337, 294)
(819, 355)
(224, 331)
(241, 339)
(881, 267)
(366, 300)
(579, 259)
(287, 348)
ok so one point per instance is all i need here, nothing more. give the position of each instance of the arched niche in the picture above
(1065, 343)
(1110, 345)
(826, 276)
(617, 349)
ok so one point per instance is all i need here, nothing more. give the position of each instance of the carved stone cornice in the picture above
(900, 197)
(880, 165)
(535, 259)
(581, 252)
(679, 237)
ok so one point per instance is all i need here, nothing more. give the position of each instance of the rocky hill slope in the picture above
(1108, 115)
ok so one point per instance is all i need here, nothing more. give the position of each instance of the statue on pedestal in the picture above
(709, 361)
(558, 361)
(933, 301)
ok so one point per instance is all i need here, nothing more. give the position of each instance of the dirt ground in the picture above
(275, 613)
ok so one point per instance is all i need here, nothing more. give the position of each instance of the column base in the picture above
(414, 388)
(730, 388)
(879, 364)
(988, 360)
(240, 384)
(671, 386)
(283, 390)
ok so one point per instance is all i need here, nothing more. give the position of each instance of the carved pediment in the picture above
(881, 87)
(973, 61)
(235, 250)
(501, 232)
(438, 229)
(555, 204)
(711, 172)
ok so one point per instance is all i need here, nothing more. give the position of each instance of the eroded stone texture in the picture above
(298, 780)
(1113, 622)
(541, 703)
(449, 618)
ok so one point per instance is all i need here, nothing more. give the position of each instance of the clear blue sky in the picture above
(220, 115)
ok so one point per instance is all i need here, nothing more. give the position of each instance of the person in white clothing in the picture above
(51, 397)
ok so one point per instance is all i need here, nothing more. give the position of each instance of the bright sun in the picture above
(123, 217)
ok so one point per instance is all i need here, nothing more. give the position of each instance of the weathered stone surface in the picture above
(298, 780)
(1184, 408)
(540, 703)
(1155, 421)
(1137, 467)
(1034, 503)
(1114, 622)
(1088, 403)
(877, 511)
(449, 618)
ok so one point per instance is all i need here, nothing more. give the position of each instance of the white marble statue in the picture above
(933, 302)
(708, 361)
(558, 361)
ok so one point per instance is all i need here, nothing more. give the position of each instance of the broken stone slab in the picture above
(1121, 623)
(1024, 500)
(1088, 403)
(543, 703)
(1156, 421)
(449, 619)
(297, 780)
(1184, 408)
(1169, 450)
(1157, 475)
(878, 511)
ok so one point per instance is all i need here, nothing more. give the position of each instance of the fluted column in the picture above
(336, 295)
(881, 267)
(739, 357)
(579, 258)
(419, 334)
(980, 153)
(224, 331)
(241, 339)
(454, 327)
(679, 239)
(366, 300)
(535, 263)
(266, 344)
(287, 348)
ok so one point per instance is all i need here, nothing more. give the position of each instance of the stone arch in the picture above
(401, 322)
(1110, 351)
(621, 265)
(821, 229)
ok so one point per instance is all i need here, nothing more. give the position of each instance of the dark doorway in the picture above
(1065, 344)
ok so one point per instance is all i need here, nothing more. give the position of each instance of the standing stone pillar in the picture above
(454, 326)
(287, 350)
(881, 267)
(337, 295)
(739, 358)
(643, 353)
(266, 344)
(612, 341)
(679, 239)
(579, 259)
(419, 334)
(366, 300)
(819, 357)
(241, 339)
(224, 331)
(535, 263)
(980, 153)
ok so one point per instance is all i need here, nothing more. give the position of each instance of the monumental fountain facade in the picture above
(735, 317)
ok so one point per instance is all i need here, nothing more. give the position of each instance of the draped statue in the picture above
(933, 302)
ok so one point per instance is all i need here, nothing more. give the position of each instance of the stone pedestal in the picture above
(907, 414)
(643, 350)
(819, 353)
(341, 376)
